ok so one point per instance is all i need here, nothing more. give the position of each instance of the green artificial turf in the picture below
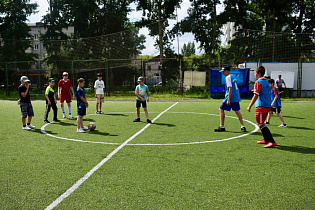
(36, 169)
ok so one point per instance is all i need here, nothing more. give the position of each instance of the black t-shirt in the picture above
(27, 99)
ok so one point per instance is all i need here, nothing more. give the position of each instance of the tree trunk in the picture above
(161, 41)
(214, 29)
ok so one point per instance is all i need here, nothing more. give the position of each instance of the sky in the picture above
(134, 16)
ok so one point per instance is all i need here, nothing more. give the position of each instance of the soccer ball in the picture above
(91, 126)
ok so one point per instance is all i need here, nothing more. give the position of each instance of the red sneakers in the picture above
(270, 145)
(262, 142)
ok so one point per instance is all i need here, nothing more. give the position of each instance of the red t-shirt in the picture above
(65, 87)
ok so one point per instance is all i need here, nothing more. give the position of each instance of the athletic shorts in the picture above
(27, 110)
(99, 98)
(82, 111)
(234, 106)
(66, 98)
(144, 104)
(276, 110)
(261, 114)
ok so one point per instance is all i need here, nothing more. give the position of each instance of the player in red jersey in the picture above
(64, 87)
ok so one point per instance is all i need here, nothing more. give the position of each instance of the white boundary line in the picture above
(86, 176)
(168, 144)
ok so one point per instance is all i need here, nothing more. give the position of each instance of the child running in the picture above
(82, 105)
(275, 104)
(261, 99)
(231, 100)
(142, 93)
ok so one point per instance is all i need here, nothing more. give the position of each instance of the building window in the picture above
(149, 67)
(160, 67)
(36, 47)
(35, 36)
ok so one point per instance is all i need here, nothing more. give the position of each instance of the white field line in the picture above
(86, 176)
(166, 144)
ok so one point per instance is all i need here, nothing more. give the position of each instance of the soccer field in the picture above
(178, 162)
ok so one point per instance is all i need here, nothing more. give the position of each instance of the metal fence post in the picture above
(7, 78)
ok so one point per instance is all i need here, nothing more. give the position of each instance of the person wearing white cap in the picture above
(25, 103)
(142, 93)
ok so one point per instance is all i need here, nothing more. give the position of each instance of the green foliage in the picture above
(189, 49)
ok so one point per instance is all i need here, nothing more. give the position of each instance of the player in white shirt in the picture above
(99, 93)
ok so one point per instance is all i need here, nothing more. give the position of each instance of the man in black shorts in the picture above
(25, 103)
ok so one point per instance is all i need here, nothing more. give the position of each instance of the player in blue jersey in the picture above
(275, 103)
(262, 102)
(231, 100)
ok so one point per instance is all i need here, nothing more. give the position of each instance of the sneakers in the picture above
(64, 115)
(70, 116)
(98, 112)
(137, 120)
(267, 123)
(26, 128)
(270, 145)
(56, 120)
(46, 121)
(262, 142)
(31, 126)
(243, 129)
(219, 129)
(149, 121)
(80, 130)
(84, 128)
(282, 125)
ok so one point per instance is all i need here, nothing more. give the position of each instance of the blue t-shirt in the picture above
(142, 91)
(262, 89)
(80, 93)
(231, 81)
(275, 92)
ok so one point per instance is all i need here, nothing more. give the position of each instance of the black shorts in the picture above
(144, 104)
(277, 110)
(27, 110)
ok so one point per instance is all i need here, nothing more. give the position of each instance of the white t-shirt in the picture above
(99, 85)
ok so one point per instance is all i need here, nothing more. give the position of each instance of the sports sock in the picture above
(63, 109)
(69, 110)
(221, 126)
(242, 126)
(28, 123)
(266, 133)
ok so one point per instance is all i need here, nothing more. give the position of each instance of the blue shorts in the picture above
(234, 106)
(82, 111)
(144, 104)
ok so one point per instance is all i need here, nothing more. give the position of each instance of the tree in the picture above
(188, 49)
(14, 30)
(155, 16)
(202, 22)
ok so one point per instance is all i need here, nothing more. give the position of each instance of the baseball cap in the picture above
(24, 79)
(51, 80)
(99, 74)
(225, 68)
(140, 79)
(64, 73)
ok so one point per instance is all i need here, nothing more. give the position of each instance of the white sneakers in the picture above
(80, 130)
(64, 115)
(70, 116)
(31, 126)
(283, 125)
(85, 128)
(28, 127)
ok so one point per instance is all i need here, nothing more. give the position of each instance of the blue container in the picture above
(217, 82)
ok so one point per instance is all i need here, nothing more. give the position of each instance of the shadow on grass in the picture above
(164, 124)
(273, 134)
(124, 115)
(97, 132)
(298, 149)
(300, 118)
(301, 128)
(64, 123)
